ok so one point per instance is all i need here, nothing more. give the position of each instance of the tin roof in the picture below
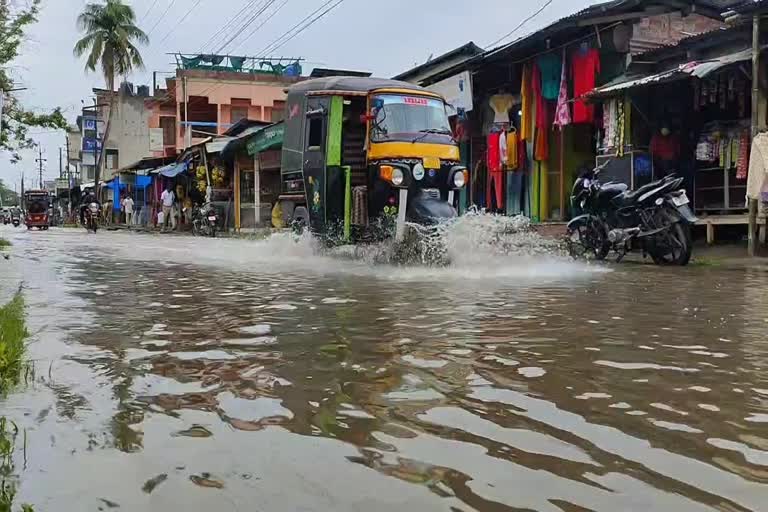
(350, 83)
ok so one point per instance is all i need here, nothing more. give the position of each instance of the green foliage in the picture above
(7, 196)
(13, 331)
(15, 120)
(4, 243)
(110, 38)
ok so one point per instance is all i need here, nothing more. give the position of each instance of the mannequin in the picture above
(665, 150)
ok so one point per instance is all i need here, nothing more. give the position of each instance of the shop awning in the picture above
(171, 170)
(697, 69)
(270, 137)
(217, 145)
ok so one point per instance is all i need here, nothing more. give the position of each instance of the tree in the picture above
(110, 38)
(15, 121)
(7, 196)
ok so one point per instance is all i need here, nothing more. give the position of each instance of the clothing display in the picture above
(550, 65)
(742, 165)
(526, 120)
(758, 166)
(563, 111)
(501, 104)
(512, 147)
(494, 157)
(541, 149)
(503, 149)
(585, 65)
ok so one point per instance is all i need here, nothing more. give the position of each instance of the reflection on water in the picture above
(223, 375)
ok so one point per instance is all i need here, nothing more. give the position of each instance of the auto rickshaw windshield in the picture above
(402, 117)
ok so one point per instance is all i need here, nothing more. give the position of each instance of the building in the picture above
(213, 92)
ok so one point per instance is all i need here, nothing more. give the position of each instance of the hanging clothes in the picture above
(503, 149)
(585, 66)
(550, 65)
(512, 147)
(501, 104)
(758, 167)
(494, 157)
(563, 112)
(526, 120)
(522, 155)
(742, 165)
(541, 151)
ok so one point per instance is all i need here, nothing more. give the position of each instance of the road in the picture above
(174, 373)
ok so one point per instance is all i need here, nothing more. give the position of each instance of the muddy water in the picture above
(182, 374)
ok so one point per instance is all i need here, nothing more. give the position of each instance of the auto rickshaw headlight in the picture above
(397, 177)
(418, 172)
(459, 179)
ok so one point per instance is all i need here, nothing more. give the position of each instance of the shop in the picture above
(692, 117)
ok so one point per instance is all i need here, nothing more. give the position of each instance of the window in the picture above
(315, 138)
(111, 159)
(168, 124)
(238, 114)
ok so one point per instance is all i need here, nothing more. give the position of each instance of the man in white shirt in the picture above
(128, 209)
(167, 199)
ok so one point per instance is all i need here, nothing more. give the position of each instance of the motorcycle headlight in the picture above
(459, 180)
(397, 177)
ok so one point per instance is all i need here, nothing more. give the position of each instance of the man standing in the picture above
(128, 209)
(167, 199)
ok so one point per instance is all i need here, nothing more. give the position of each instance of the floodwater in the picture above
(174, 373)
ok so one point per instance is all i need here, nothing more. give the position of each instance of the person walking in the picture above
(128, 209)
(167, 198)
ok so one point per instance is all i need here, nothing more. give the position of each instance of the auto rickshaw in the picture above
(37, 203)
(363, 157)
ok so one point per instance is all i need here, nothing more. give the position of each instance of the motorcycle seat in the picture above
(612, 190)
(632, 196)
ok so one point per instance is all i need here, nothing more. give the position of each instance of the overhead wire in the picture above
(177, 25)
(170, 5)
(149, 10)
(264, 22)
(286, 36)
(521, 24)
(247, 24)
(228, 24)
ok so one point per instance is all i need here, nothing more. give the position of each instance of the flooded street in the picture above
(174, 373)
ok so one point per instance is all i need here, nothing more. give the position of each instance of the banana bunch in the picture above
(200, 173)
(217, 177)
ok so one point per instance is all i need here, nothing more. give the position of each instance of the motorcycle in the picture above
(656, 218)
(92, 217)
(204, 220)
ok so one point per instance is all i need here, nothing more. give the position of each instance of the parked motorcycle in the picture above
(92, 217)
(204, 220)
(655, 218)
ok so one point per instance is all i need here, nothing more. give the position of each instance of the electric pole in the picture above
(69, 171)
(40, 161)
(61, 162)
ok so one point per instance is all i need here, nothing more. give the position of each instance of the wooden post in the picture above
(752, 243)
(563, 216)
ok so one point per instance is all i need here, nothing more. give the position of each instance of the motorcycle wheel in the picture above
(674, 246)
(213, 231)
(588, 241)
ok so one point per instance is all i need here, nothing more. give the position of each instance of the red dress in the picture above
(585, 66)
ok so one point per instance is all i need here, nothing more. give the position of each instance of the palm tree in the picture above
(110, 42)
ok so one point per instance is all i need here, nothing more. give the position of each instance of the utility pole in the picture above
(69, 170)
(40, 161)
(61, 162)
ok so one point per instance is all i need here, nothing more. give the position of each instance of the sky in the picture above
(384, 37)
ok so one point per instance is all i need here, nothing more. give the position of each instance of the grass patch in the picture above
(4, 243)
(13, 331)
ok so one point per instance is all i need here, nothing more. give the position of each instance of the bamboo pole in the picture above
(751, 236)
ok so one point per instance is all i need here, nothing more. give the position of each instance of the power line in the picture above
(250, 21)
(253, 32)
(520, 25)
(170, 5)
(180, 21)
(301, 26)
(149, 10)
(228, 24)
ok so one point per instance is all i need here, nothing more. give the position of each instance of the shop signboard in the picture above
(269, 138)
(91, 145)
(457, 91)
(89, 124)
(156, 142)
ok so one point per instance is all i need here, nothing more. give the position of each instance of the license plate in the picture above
(680, 200)
(431, 162)
(212, 218)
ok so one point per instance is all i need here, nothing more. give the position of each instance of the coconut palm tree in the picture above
(109, 41)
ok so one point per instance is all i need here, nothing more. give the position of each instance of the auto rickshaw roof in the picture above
(352, 84)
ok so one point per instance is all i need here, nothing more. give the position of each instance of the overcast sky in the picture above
(384, 37)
